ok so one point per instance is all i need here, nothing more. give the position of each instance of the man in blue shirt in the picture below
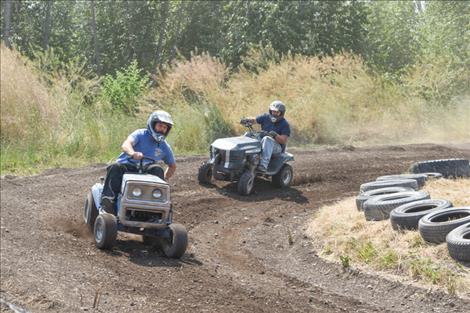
(278, 130)
(147, 144)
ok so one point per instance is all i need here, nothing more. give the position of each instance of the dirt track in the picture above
(239, 258)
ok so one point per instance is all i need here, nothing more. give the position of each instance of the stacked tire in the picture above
(378, 198)
(407, 216)
(398, 197)
(449, 168)
(378, 208)
(435, 226)
(363, 197)
(458, 243)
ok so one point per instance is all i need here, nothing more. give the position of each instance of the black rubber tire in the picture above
(204, 175)
(407, 216)
(246, 183)
(410, 183)
(458, 243)
(176, 246)
(435, 226)
(447, 167)
(284, 177)
(105, 231)
(363, 197)
(420, 178)
(90, 212)
(378, 208)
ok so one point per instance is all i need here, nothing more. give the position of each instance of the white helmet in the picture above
(277, 105)
(162, 117)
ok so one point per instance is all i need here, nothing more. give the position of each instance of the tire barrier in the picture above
(409, 183)
(435, 226)
(363, 197)
(420, 178)
(378, 208)
(447, 167)
(407, 216)
(458, 243)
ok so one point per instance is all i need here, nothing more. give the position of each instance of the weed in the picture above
(389, 260)
(327, 249)
(345, 261)
(123, 90)
(416, 241)
(366, 252)
(290, 238)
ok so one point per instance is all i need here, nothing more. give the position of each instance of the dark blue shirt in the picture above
(281, 127)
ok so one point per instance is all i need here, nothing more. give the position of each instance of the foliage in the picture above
(123, 90)
(390, 36)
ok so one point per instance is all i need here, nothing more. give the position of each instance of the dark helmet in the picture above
(277, 105)
(159, 116)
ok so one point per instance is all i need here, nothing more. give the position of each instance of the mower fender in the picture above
(96, 191)
(277, 162)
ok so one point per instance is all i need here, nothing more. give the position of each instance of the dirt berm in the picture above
(239, 258)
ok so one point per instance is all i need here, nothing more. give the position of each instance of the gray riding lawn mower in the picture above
(143, 207)
(235, 159)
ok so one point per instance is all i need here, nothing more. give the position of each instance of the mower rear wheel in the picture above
(284, 177)
(105, 231)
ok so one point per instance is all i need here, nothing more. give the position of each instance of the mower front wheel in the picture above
(245, 184)
(175, 246)
(205, 173)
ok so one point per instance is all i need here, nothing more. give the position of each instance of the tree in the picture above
(7, 20)
(161, 36)
(96, 50)
(47, 24)
(392, 36)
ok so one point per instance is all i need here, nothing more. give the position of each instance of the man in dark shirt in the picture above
(278, 130)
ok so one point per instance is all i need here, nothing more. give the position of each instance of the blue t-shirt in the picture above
(145, 143)
(281, 127)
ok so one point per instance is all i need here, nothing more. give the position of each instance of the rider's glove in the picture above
(273, 134)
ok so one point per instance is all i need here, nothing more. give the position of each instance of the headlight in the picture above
(157, 193)
(137, 192)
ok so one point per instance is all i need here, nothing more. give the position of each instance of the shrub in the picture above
(123, 90)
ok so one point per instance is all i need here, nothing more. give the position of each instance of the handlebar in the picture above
(247, 123)
(141, 162)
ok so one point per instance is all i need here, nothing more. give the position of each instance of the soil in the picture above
(245, 254)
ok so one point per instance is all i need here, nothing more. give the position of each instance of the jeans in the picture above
(112, 184)
(269, 147)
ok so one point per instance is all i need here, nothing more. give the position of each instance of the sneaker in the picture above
(107, 204)
(261, 169)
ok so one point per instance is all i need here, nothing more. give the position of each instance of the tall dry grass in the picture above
(329, 100)
(339, 230)
(28, 106)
